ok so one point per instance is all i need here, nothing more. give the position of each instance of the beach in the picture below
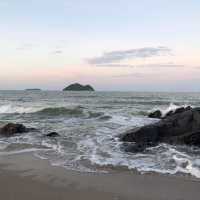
(26, 177)
(84, 159)
(99, 100)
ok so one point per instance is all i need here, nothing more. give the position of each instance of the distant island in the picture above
(78, 87)
(33, 89)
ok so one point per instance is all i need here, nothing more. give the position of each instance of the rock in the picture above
(52, 134)
(178, 110)
(183, 127)
(168, 114)
(192, 139)
(78, 87)
(11, 129)
(156, 114)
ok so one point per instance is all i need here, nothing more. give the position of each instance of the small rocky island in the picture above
(78, 87)
(33, 89)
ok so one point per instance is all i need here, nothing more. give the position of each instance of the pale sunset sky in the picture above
(114, 45)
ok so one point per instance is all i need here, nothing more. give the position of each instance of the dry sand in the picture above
(24, 177)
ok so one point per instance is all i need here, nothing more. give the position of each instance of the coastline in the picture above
(23, 176)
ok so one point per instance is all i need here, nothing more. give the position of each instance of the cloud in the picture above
(197, 67)
(117, 56)
(59, 48)
(161, 65)
(135, 75)
(114, 65)
(57, 52)
(24, 47)
(155, 65)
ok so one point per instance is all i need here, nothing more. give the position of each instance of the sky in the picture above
(114, 45)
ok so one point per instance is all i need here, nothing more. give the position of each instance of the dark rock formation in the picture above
(183, 127)
(11, 129)
(178, 110)
(78, 87)
(156, 114)
(52, 134)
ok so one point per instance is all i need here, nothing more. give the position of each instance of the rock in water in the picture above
(156, 114)
(179, 128)
(11, 129)
(52, 134)
(78, 87)
(178, 110)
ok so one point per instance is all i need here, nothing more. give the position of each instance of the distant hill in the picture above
(78, 87)
(33, 89)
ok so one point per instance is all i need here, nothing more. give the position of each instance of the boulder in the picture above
(52, 134)
(178, 110)
(183, 127)
(158, 114)
(11, 129)
(155, 114)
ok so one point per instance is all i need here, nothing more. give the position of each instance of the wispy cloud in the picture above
(60, 47)
(155, 65)
(114, 65)
(197, 67)
(117, 56)
(135, 75)
(24, 47)
(57, 52)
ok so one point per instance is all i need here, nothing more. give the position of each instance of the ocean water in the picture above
(89, 124)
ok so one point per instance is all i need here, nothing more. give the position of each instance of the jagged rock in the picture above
(11, 129)
(156, 114)
(178, 110)
(183, 127)
(52, 134)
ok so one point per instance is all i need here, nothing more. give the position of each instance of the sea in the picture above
(89, 124)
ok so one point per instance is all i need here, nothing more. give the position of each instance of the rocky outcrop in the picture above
(178, 110)
(155, 114)
(78, 87)
(181, 127)
(11, 129)
(52, 134)
(158, 114)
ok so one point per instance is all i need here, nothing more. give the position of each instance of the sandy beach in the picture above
(25, 177)
(99, 100)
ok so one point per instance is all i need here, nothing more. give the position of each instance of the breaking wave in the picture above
(171, 107)
(9, 109)
(89, 125)
(55, 111)
(77, 111)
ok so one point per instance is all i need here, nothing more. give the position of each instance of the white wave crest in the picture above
(171, 107)
(9, 109)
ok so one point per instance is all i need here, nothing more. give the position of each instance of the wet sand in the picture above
(24, 177)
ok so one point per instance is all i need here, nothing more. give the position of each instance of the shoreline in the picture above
(23, 176)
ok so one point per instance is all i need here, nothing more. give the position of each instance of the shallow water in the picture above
(89, 124)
